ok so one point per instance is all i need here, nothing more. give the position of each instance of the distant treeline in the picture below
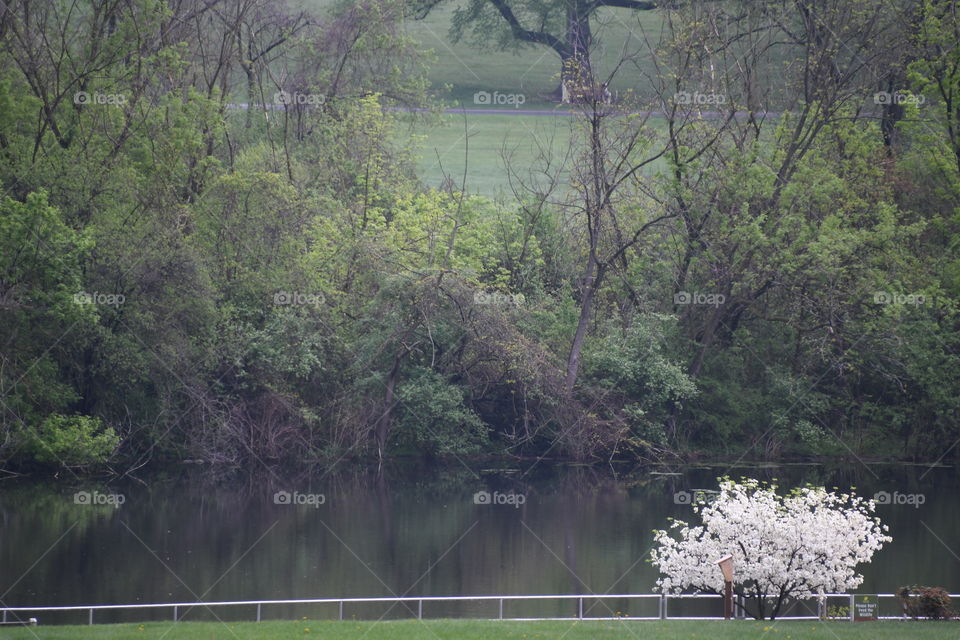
(183, 280)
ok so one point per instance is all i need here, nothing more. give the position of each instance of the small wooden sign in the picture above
(865, 609)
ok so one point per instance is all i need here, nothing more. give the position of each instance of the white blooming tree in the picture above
(806, 543)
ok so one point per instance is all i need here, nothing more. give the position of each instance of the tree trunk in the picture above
(383, 424)
(591, 282)
(706, 341)
(892, 113)
(251, 94)
(575, 69)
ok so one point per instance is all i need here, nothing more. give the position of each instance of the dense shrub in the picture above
(926, 602)
(72, 441)
(433, 419)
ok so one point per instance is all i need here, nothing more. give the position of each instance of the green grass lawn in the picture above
(482, 140)
(489, 630)
(487, 142)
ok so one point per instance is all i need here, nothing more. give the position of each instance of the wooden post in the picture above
(727, 599)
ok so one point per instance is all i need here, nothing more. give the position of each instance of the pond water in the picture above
(410, 530)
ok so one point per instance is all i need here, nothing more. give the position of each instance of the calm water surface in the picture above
(411, 530)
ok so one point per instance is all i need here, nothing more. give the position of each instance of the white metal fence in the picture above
(833, 606)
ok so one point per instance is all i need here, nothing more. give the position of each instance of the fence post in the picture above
(174, 613)
(501, 608)
(90, 619)
(663, 611)
(852, 605)
(4, 615)
(341, 610)
(258, 612)
(419, 609)
(580, 608)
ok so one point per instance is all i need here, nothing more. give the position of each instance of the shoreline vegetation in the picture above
(482, 464)
(120, 466)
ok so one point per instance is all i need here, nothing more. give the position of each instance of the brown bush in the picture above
(932, 603)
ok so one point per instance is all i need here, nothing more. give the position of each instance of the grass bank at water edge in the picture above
(494, 629)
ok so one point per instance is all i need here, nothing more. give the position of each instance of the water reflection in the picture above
(409, 530)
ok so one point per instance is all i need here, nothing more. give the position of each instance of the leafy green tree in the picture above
(564, 27)
(40, 286)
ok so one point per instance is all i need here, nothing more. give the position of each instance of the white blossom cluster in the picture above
(806, 543)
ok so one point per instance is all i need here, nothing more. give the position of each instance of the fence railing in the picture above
(415, 605)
